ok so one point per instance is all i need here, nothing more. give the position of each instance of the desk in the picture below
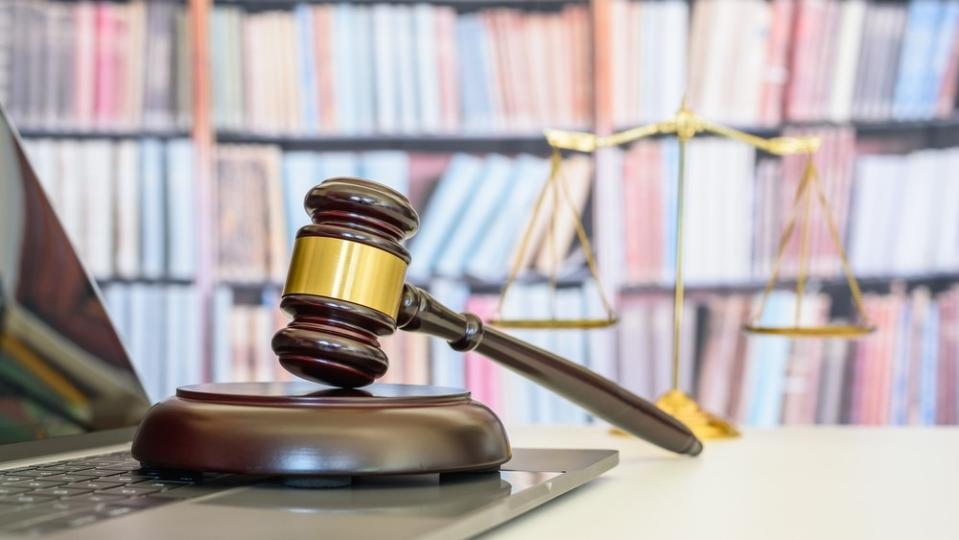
(808, 483)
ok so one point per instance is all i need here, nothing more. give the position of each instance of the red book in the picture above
(322, 38)
(482, 375)
(776, 74)
(948, 352)
(425, 171)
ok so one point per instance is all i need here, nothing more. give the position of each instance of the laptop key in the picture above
(15, 471)
(66, 467)
(37, 473)
(96, 498)
(71, 477)
(9, 490)
(24, 499)
(62, 491)
(40, 484)
(131, 491)
(142, 502)
(94, 484)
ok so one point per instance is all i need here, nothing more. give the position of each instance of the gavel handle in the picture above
(420, 312)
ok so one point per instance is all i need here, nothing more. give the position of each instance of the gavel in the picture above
(346, 287)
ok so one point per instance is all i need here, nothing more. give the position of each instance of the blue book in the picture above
(474, 70)
(490, 259)
(899, 391)
(939, 56)
(345, 101)
(300, 174)
(918, 41)
(309, 105)
(152, 197)
(181, 210)
(389, 167)
(444, 209)
(362, 69)
(476, 218)
(929, 367)
(768, 358)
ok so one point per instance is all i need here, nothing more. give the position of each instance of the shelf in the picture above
(936, 281)
(460, 4)
(935, 132)
(143, 281)
(112, 134)
(511, 143)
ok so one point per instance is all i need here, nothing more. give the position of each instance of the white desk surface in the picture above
(808, 483)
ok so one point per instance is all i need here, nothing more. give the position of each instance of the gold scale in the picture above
(684, 126)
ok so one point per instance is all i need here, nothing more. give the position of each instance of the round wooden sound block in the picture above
(306, 429)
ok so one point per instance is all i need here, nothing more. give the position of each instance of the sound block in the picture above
(301, 429)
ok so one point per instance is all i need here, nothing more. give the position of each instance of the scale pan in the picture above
(836, 331)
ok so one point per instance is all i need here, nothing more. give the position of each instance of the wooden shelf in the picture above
(511, 143)
(936, 281)
(459, 4)
(113, 134)
(144, 281)
(937, 132)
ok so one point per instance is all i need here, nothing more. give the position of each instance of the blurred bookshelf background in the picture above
(177, 139)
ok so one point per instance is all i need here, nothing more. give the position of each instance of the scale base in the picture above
(308, 430)
(703, 424)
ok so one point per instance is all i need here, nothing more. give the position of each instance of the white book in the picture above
(540, 304)
(152, 227)
(264, 362)
(601, 350)
(117, 300)
(478, 216)
(490, 257)
(404, 63)
(577, 173)
(635, 360)
(344, 66)
(137, 340)
(181, 210)
(445, 207)
(852, 15)
(71, 198)
(127, 155)
(98, 189)
(518, 393)
(300, 175)
(389, 167)
(222, 363)
(447, 367)
(947, 246)
(363, 69)
(334, 164)
(427, 68)
(674, 33)
(174, 339)
(387, 115)
(570, 344)
(156, 346)
(917, 219)
(609, 225)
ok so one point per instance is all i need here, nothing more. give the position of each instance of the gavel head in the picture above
(345, 282)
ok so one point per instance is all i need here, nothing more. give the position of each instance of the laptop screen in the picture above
(63, 370)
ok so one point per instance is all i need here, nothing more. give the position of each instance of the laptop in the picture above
(70, 402)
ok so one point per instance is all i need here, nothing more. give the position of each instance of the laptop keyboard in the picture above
(60, 495)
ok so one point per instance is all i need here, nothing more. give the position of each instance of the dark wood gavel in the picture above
(346, 287)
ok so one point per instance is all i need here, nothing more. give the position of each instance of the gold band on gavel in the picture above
(345, 270)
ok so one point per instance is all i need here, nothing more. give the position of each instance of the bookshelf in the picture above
(603, 107)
